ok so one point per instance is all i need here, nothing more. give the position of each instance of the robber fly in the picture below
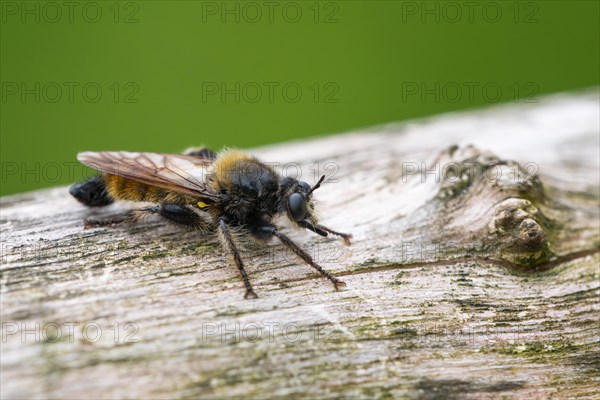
(230, 193)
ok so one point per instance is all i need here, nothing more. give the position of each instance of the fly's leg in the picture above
(323, 231)
(337, 284)
(345, 236)
(201, 152)
(180, 215)
(229, 245)
(125, 218)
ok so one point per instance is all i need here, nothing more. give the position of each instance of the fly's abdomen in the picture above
(120, 188)
(92, 192)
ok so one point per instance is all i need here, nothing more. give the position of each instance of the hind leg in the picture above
(180, 215)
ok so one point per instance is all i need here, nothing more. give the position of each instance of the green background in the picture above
(353, 61)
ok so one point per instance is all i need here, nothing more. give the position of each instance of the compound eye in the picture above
(304, 185)
(297, 207)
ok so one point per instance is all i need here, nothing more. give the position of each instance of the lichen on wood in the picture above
(473, 273)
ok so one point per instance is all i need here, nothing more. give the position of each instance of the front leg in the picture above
(337, 284)
(323, 231)
(229, 245)
(345, 236)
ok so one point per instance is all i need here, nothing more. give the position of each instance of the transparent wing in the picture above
(177, 172)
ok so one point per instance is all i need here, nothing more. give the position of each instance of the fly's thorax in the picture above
(247, 186)
(224, 167)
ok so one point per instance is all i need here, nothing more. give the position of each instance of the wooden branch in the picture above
(473, 273)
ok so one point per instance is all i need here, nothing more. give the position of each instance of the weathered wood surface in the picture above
(469, 288)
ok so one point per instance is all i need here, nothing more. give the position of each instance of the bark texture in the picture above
(473, 273)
